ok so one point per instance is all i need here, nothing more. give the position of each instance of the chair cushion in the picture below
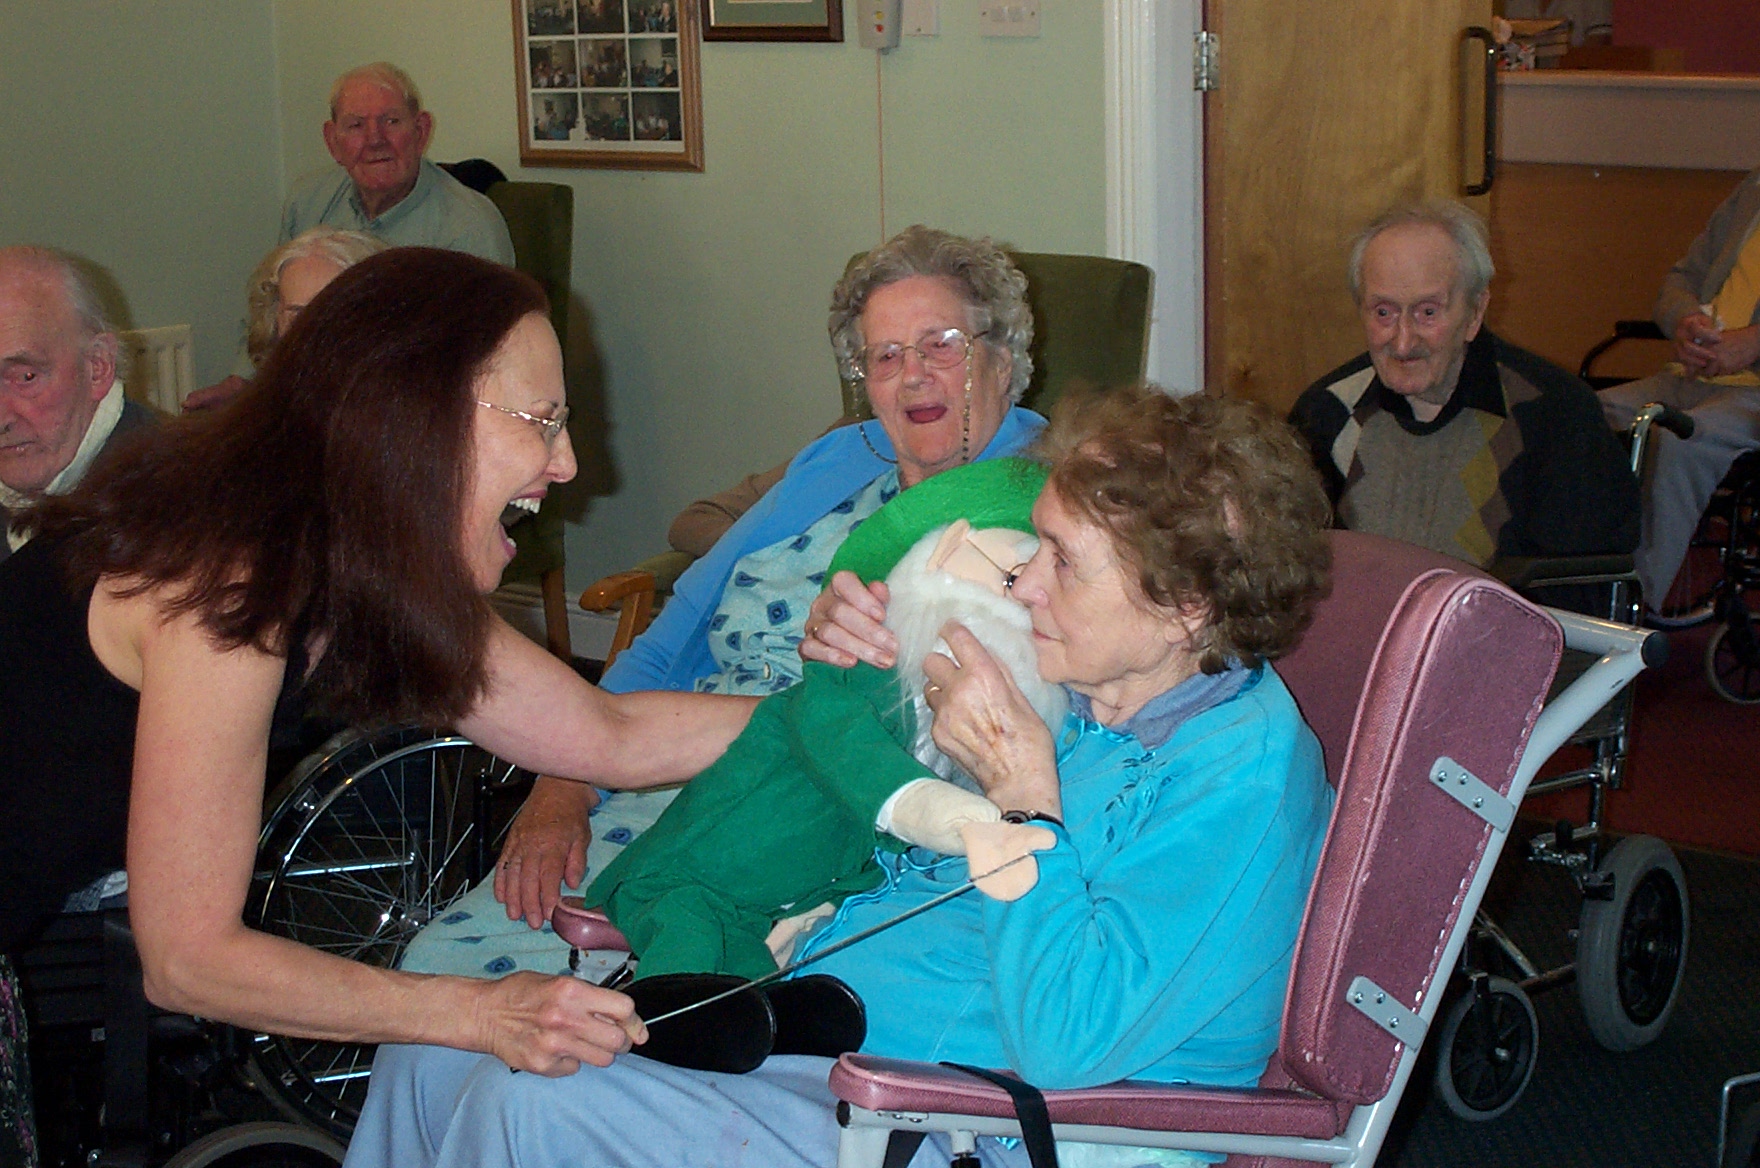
(885, 1084)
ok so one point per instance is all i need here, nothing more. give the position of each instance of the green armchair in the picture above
(540, 218)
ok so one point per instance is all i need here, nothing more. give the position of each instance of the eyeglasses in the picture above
(550, 426)
(936, 350)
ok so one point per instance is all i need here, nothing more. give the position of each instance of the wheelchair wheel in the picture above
(1486, 1050)
(372, 838)
(1732, 662)
(260, 1145)
(1632, 948)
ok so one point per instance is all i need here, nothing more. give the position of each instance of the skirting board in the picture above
(521, 606)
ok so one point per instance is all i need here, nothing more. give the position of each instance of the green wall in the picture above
(708, 292)
(142, 134)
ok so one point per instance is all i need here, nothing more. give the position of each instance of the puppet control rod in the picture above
(950, 894)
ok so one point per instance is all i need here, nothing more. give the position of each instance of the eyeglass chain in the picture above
(965, 426)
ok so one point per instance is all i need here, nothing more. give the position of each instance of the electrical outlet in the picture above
(1009, 18)
(922, 18)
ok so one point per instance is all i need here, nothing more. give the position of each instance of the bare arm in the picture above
(540, 714)
(200, 750)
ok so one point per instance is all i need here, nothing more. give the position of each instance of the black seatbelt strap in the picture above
(901, 1148)
(1029, 1108)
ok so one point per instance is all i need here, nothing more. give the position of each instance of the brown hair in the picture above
(324, 504)
(1213, 501)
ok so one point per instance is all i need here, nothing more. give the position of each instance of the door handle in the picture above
(1477, 33)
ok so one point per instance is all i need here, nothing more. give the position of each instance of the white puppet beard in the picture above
(922, 601)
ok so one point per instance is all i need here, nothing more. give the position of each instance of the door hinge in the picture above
(1206, 62)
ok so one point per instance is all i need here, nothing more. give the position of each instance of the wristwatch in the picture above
(1029, 817)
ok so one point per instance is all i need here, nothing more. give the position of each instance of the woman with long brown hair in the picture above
(324, 543)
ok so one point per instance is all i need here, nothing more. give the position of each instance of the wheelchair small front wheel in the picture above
(1632, 947)
(1732, 663)
(260, 1145)
(1486, 1050)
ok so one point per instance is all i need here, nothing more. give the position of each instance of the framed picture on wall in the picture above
(772, 20)
(610, 83)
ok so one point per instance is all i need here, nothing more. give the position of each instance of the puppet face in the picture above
(991, 557)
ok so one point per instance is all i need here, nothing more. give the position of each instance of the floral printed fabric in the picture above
(755, 634)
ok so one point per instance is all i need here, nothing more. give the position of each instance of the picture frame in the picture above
(772, 20)
(609, 83)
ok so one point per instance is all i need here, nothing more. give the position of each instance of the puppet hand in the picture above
(1000, 857)
(546, 848)
(844, 625)
(931, 814)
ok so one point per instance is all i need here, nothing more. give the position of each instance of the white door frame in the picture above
(1155, 173)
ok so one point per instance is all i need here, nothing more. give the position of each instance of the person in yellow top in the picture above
(1710, 307)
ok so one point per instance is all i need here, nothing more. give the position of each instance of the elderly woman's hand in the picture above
(552, 1025)
(844, 625)
(546, 848)
(986, 725)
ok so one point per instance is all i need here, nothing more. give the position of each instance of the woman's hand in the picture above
(986, 725)
(845, 625)
(551, 1025)
(546, 848)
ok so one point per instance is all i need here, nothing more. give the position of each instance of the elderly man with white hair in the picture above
(378, 133)
(1448, 437)
(61, 400)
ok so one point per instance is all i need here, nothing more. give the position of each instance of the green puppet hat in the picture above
(998, 492)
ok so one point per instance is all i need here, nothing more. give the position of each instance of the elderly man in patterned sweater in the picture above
(1443, 435)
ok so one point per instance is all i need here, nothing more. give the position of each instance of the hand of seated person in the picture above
(845, 625)
(546, 848)
(1734, 351)
(216, 395)
(986, 724)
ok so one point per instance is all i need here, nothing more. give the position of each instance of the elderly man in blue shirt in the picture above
(378, 133)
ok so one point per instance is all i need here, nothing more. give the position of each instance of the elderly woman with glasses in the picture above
(935, 328)
(283, 283)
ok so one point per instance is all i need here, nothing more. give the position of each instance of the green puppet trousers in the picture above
(781, 823)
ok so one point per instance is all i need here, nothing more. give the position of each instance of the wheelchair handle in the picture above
(1656, 414)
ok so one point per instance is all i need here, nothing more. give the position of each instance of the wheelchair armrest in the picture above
(586, 928)
(1526, 572)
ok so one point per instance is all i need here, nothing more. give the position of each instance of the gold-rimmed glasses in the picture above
(550, 426)
(936, 349)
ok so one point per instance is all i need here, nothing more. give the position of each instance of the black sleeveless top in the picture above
(66, 745)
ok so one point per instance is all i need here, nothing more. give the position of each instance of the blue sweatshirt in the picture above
(1156, 943)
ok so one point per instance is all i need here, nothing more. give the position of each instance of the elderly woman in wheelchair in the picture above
(1182, 547)
(323, 542)
(935, 328)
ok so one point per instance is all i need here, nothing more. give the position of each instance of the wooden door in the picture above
(1327, 112)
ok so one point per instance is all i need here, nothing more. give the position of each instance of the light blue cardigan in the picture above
(674, 652)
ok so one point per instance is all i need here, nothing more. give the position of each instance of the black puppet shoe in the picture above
(817, 1014)
(731, 1036)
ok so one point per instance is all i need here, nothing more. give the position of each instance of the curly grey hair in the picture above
(263, 291)
(1472, 242)
(994, 290)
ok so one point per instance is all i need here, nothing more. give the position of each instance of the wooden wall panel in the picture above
(1578, 247)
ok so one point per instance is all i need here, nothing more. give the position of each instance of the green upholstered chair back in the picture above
(540, 218)
(1090, 325)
